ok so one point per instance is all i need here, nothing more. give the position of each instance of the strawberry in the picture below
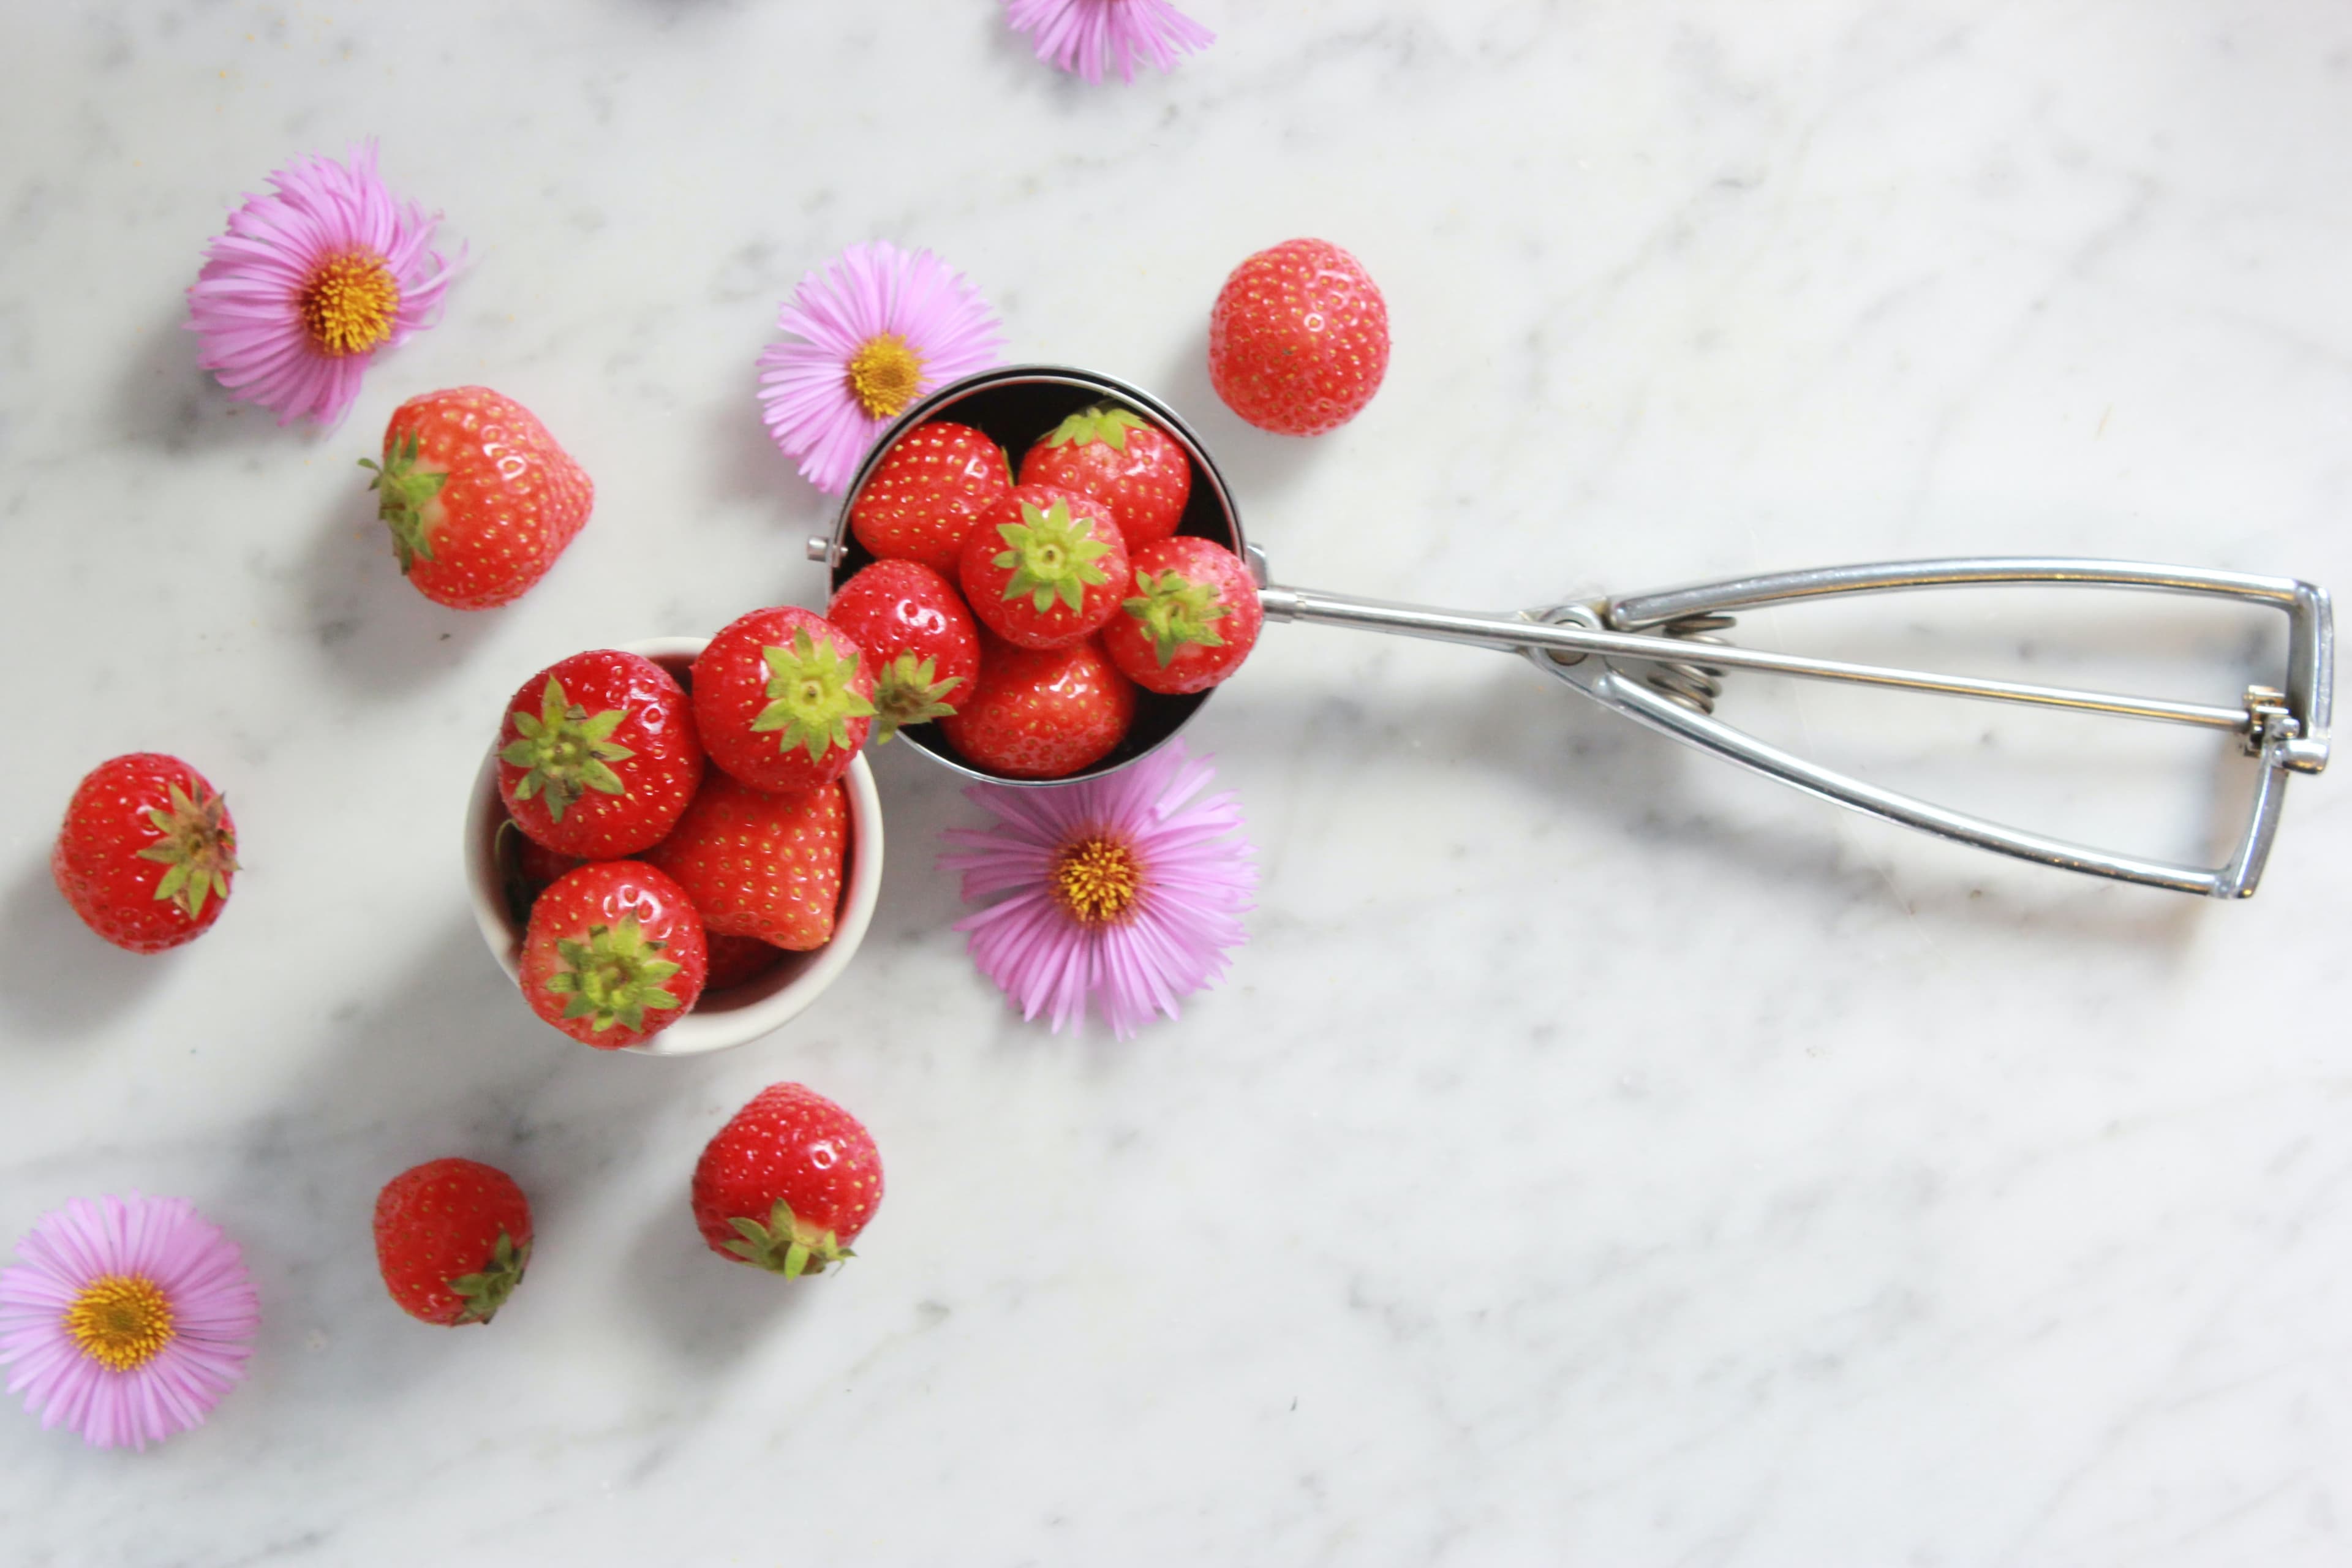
(1044, 567)
(737, 960)
(614, 953)
(761, 865)
(914, 627)
(1043, 714)
(788, 1183)
(1193, 619)
(1132, 466)
(146, 852)
(452, 1238)
(925, 490)
(784, 700)
(598, 755)
(479, 498)
(1300, 339)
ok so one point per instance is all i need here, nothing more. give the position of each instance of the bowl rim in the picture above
(699, 1032)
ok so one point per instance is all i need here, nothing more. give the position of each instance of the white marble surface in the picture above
(1598, 1155)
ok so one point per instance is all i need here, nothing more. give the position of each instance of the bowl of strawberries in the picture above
(673, 846)
(1047, 573)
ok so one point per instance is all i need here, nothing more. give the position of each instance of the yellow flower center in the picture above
(1095, 880)
(885, 375)
(122, 1321)
(349, 303)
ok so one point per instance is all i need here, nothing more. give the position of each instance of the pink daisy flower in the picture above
(308, 284)
(876, 329)
(1085, 35)
(126, 1319)
(1118, 890)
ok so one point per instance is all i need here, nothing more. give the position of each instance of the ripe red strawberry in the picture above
(1043, 714)
(1193, 619)
(453, 1238)
(614, 954)
(479, 498)
(784, 700)
(917, 632)
(761, 865)
(598, 755)
(146, 852)
(737, 960)
(1114, 454)
(1044, 567)
(788, 1183)
(1300, 339)
(926, 491)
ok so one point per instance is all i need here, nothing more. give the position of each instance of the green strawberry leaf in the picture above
(1052, 555)
(811, 698)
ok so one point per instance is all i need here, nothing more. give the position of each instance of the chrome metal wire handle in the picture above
(1598, 646)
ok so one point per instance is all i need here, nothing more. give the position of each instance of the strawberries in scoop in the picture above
(1044, 567)
(1194, 617)
(1043, 713)
(914, 627)
(1130, 466)
(926, 490)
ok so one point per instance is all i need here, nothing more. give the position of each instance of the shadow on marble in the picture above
(711, 1313)
(59, 978)
(376, 633)
(168, 403)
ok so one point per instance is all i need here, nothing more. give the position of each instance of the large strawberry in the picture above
(761, 865)
(1194, 617)
(452, 1239)
(1121, 460)
(614, 954)
(788, 1183)
(146, 852)
(784, 698)
(1299, 340)
(479, 498)
(1044, 567)
(925, 490)
(1043, 714)
(917, 632)
(598, 755)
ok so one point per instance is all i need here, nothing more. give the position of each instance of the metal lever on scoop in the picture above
(1670, 635)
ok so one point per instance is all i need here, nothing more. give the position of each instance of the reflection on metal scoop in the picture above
(1656, 658)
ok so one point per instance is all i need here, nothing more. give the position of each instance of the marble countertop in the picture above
(1597, 1154)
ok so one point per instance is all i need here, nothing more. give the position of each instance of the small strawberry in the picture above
(737, 960)
(479, 498)
(1044, 567)
(452, 1238)
(788, 1183)
(1300, 339)
(614, 954)
(1043, 714)
(1132, 466)
(598, 755)
(761, 865)
(146, 852)
(925, 490)
(915, 628)
(784, 698)
(1193, 619)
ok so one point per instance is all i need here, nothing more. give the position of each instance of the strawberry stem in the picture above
(198, 845)
(566, 750)
(1052, 555)
(613, 976)
(810, 699)
(407, 490)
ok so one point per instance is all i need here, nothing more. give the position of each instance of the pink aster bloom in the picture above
(308, 284)
(1118, 890)
(1085, 35)
(126, 1319)
(876, 329)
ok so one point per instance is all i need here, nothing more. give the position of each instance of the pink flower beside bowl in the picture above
(722, 1019)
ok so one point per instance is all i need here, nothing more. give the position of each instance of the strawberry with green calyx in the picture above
(925, 493)
(1043, 713)
(784, 700)
(614, 954)
(146, 852)
(913, 624)
(1123, 460)
(598, 755)
(788, 1183)
(1044, 567)
(479, 499)
(452, 1240)
(761, 865)
(1194, 617)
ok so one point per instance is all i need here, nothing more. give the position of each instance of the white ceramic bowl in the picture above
(720, 1019)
